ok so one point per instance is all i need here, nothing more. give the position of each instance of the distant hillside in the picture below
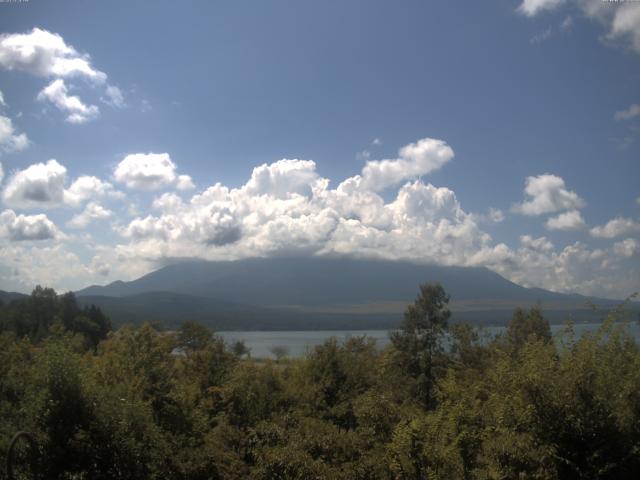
(171, 309)
(6, 297)
(319, 293)
(323, 281)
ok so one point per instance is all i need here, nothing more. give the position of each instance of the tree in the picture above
(279, 351)
(240, 349)
(418, 341)
(194, 336)
(525, 324)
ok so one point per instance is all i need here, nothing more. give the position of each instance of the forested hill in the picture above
(6, 297)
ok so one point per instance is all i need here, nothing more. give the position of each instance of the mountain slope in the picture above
(171, 309)
(322, 281)
(7, 297)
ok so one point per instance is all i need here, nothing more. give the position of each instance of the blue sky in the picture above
(151, 106)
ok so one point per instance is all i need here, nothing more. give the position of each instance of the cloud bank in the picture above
(287, 208)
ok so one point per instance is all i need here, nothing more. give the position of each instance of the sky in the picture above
(503, 134)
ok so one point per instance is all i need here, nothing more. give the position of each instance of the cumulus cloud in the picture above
(39, 186)
(42, 185)
(548, 195)
(414, 160)
(45, 54)
(91, 212)
(77, 111)
(571, 220)
(17, 228)
(283, 179)
(88, 187)
(616, 227)
(627, 248)
(539, 244)
(184, 182)
(10, 140)
(631, 112)
(147, 171)
(287, 208)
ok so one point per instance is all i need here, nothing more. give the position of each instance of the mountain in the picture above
(320, 281)
(306, 293)
(6, 297)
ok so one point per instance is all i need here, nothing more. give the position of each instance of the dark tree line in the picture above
(44, 311)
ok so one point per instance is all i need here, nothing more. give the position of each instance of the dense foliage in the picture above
(140, 403)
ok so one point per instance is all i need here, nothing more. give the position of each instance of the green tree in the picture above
(525, 324)
(418, 343)
(240, 349)
(194, 336)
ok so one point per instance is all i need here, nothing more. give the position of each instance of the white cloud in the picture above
(88, 187)
(45, 54)
(571, 220)
(10, 140)
(92, 211)
(113, 97)
(414, 160)
(540, 244)
(42, 185)
(39, 186)
(2, 102)
(27, 264)
(496, 215)
(283, 179)
(621, 19)
(147, 171)
(185, 182)
(287, 208)
(1, 173)
(625, 25)
(78, 112)
(631, 112)
(616, 227)
(17, 228)
(627, 248)
(533, 7)
(575, 268)
(548, 195)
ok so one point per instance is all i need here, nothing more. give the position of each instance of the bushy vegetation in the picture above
(140, 403)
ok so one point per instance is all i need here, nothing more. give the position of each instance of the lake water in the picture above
(299, 343)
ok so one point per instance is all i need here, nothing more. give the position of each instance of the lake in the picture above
(299, 343)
